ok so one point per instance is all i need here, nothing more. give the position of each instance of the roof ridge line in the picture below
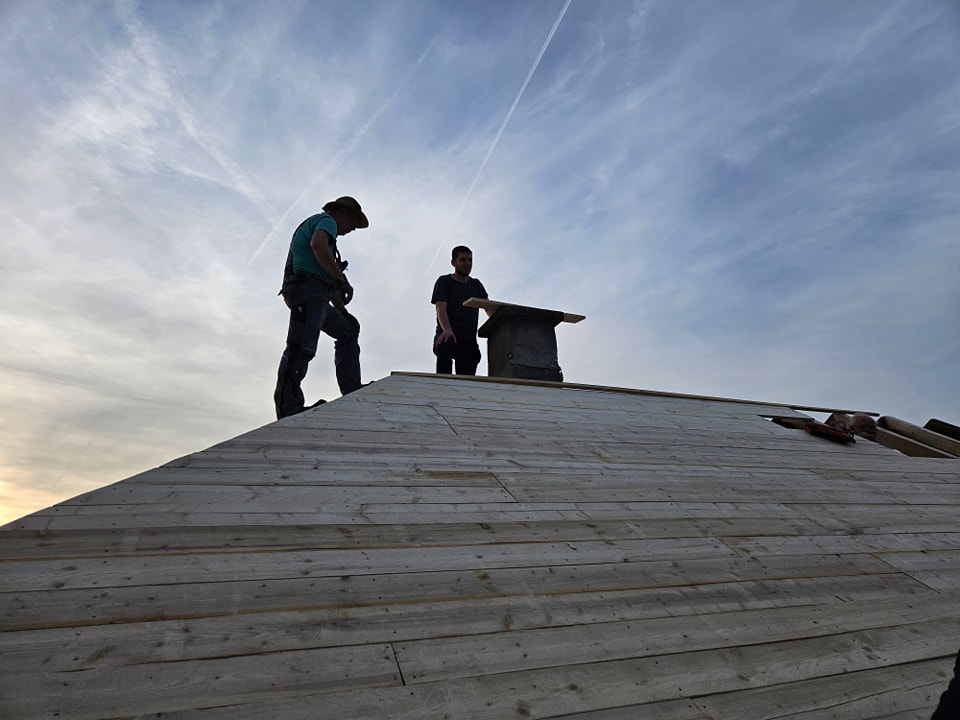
(629, 391)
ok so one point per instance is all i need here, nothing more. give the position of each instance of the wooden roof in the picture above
(437, 547)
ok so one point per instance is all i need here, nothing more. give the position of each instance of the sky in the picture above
(752, 199)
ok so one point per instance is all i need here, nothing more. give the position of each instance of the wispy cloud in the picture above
(737, 196)
(164, 94)
(506, 119)
(332, 166)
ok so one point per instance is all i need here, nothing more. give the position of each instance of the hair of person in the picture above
(458, 250)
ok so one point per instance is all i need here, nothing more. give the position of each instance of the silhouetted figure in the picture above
(949, 707)
(317, 292)
(456, 336)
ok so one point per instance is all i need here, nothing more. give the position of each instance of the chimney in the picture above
(521, 340)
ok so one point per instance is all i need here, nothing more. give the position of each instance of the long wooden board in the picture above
(494, 305)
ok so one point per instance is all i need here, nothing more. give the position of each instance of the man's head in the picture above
(462, 260)
(347, 214)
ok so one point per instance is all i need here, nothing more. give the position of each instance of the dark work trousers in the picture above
(310, 314)
(949, 706)
(465, 351)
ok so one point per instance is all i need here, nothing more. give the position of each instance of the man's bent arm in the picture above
(444, 321)
(320, 244)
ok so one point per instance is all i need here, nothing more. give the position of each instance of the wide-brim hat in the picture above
(350, 205)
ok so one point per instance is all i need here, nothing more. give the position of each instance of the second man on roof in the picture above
(455, 339)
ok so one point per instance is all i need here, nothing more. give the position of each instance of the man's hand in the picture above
(443, 320)
(346, 290)
(444, 336)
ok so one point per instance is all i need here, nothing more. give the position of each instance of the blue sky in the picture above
(746, 199)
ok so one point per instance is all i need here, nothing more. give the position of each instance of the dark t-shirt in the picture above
(463, 320)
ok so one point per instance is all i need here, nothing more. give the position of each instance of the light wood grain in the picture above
(433, 547)
(921, 435)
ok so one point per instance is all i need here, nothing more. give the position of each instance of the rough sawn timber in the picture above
(442, 547)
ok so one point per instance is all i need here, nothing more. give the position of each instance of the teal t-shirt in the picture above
(303, 258)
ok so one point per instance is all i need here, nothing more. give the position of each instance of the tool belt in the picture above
(310, 282)
(296, 278)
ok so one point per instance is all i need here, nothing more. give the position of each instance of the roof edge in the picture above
(632, 391)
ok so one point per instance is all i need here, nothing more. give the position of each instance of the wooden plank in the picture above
(128, 517)
(494, 423)
(411, 463)
(169, 476)
(162, 569)
(275, 498)
(943, 428)
(785, 408)
(467, 623)
(946, 474)
(681, 528)
(876, 518)
(618, 435)
(667, 710)
(646, 475)
(907, 446)
(494, 305)
(58, 607)
(624, 400)
(738, 492)
(872, 519)
(702, 519)
(823, 544)
(156, 687)
(930, 438)
(457, 657)
(926, 559)
(913, 689)
(565, 690)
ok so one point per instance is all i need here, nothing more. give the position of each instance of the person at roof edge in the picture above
(949, 706)
(455, 338)
(317, 293)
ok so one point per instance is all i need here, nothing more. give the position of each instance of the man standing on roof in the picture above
(317, 292)
(949, 706)
(456, 334)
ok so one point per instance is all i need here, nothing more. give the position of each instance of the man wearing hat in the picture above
(317, 292)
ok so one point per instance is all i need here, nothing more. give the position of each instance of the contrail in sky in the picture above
(345, 151)
(503, 125)
(160, 82)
